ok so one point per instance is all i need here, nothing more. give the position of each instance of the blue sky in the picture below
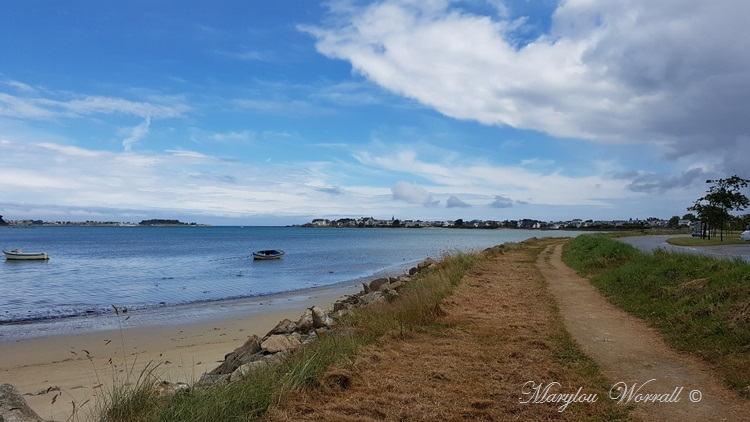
(230, 112)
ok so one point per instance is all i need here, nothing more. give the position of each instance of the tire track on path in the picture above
(630, 351)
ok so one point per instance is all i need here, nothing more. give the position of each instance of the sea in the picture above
(96, 271)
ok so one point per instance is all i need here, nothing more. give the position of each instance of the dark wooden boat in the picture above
(268, 254)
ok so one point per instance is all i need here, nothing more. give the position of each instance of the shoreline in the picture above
(178, 314)
(182, 343)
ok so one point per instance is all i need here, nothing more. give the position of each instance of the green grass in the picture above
(700, 304)
(732, 238)
(249, 398)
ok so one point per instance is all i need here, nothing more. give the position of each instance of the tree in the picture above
(723, 197)
(744, 221)
(710, 217)
(2, 222)
(674, 222)
(689, 216)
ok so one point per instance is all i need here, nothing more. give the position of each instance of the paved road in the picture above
(650, 243)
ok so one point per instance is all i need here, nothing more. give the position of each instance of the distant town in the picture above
(575, 224)
(370, 222)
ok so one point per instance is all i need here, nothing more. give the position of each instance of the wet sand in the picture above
(82, 359)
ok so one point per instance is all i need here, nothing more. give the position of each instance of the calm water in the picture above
(92, 268)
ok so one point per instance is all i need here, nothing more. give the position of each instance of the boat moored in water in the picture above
(19, 255)
(268, 254)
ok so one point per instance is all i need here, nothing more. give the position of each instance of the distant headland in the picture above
(156, 222)
(162, 222)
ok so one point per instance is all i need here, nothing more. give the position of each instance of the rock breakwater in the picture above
(257, 352)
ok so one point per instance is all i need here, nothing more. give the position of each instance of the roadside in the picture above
(631, 352)
(651, 243)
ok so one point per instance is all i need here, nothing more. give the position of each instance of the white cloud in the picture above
(66, 150)
(233, 137)
(45, 104)
(660, 183)
(18, 107)
(95, 104)
(19, 85)
(454, 202)
(190, 154)
(251, 55)
(136, 134)
(501, 202)
(184, 182)
(67, 182)
(411, 193)
(482, 179)
(630, 71)
(406, 160)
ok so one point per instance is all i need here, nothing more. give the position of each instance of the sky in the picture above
(266, 113)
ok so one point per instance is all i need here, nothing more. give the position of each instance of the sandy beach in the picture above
(181, 343)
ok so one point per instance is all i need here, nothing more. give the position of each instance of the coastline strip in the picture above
(82, 365)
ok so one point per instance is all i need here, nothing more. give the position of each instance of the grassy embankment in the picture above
(700, 304)
(249, 398)
(415, 311)
(730, 238)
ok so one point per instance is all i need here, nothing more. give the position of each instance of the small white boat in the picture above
(268, 254)
(19, 255)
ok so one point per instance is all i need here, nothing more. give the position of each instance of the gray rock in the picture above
(285, 326)
(13, 407)
(376, 284)
(395, 285)
(239, 356)
(341, 313)
(427, 263)
(390, 294)
(208, 380)
(404, 278)
(166, 388)
(244, 370)
(280, 343)
(349, 302)
(321, 318)
(341, 306)
(305, 323)
(311, 337)
(371, 298)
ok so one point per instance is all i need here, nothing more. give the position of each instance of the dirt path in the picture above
(499, 332)
(629, 351)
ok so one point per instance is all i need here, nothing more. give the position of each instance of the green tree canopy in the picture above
(722, 197)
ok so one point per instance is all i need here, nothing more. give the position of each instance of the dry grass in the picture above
(498, 330)
(249, 398)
